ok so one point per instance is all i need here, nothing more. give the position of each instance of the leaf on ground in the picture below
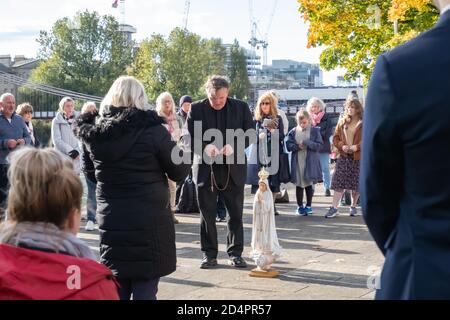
(313, 261)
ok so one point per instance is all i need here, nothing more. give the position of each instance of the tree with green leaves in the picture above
(355, 32)
(179, 64)
(237, 72)
(84, 54)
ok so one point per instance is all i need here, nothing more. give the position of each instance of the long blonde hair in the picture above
(159, 103)
(128, 92)
(268, 95)
(44, 187)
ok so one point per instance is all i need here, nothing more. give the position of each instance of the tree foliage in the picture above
(237, 72)
(355, 32)
(180, 64)
(84, 54)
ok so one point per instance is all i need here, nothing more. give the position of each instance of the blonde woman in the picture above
(131, 151)
(347, 139)
(165, 106)
(62, 135)
(25, 110)
(269, 126)
(38, 243)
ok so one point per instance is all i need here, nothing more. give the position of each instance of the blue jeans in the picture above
(91, 202)
(141, 290)
(325, 164)
(221, 210)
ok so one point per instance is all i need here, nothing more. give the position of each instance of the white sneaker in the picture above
(89, 226)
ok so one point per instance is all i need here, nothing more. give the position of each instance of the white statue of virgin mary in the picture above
(265, 246)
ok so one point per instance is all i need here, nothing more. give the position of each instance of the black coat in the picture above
(405, 176)
(132, 155)
(87, 164)
(255, 157)
(326, 130)
(238, 117)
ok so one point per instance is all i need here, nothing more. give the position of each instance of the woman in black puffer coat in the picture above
(131, 151)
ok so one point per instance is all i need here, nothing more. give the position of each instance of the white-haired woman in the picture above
(62, 135)
(320, 119)
(131, 151)
(165, 107)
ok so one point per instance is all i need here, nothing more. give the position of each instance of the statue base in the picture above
(272, 273)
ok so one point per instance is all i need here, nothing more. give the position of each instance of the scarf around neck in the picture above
(45, 236)
(316, 118)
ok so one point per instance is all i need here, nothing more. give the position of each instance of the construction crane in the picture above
(255, 42)
(266, 35)
(187, 7)
(121, 5)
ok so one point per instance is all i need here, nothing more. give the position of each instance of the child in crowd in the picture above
(305, 141)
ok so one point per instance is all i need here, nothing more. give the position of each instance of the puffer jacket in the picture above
(131, 151)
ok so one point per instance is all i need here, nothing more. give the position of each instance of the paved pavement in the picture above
(322, 258)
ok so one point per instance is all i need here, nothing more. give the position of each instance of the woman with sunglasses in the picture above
(270, 129)
(25, 110)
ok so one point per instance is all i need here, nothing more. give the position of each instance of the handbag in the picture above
(188, 197)
(283, 197)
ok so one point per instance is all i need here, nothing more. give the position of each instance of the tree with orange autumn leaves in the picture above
(355, 32)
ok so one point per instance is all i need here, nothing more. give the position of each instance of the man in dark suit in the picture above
(220, 165)
(405, 170)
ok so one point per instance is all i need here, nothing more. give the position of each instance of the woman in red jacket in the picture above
(40, 255)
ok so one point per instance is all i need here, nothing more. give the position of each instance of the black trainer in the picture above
(238, 262)
(208, 263)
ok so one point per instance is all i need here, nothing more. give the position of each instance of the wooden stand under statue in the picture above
(265, 246)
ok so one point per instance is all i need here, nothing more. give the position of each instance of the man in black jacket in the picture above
(227, 173)
(405, 176)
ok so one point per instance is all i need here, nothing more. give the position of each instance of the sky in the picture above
(21, 21)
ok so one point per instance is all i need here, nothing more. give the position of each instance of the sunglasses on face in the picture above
(265, 103)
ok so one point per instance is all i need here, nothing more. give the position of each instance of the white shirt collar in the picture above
(445, 9)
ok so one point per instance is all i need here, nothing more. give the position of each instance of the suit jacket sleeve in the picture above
(248, 123)
(195, 140)
(381, 180)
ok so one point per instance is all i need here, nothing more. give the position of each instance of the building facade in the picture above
(19, 66)
(289, 74)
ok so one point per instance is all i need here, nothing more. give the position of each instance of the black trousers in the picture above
(141, 290)
(4, 186)
(179, 187)
(233, 197)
